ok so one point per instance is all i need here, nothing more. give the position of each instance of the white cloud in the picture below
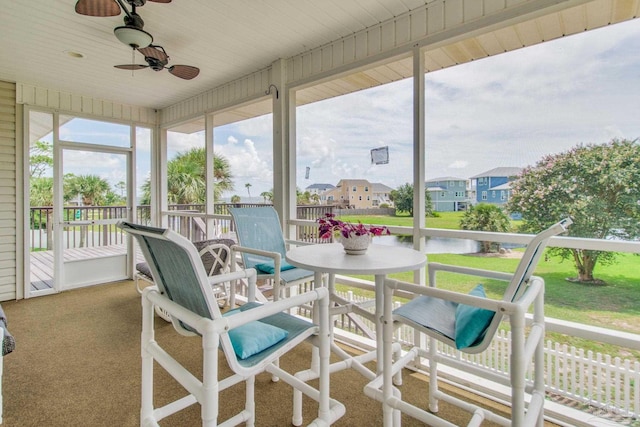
(459, 164)
(248, 165)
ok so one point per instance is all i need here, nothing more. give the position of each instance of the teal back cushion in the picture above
(471, 322)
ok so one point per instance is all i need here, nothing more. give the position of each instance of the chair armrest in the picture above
(271, 308)
(277, 258)
(457, 297)
(499, 306)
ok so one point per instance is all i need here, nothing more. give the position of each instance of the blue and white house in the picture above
(448, 194)
(493, 186)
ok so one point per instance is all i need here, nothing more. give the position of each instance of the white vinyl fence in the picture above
(598, 380)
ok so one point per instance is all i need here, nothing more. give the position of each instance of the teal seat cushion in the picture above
(471, 322)
(268, 267)
(253, 337)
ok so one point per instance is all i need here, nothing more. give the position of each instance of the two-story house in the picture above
(493, 185)
(448, 194)
(351, 193)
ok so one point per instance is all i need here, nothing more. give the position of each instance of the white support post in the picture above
(283, 148)
(161, 180)
(209, 175)
(418, 157)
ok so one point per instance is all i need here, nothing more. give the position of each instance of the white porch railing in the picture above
(594, 379)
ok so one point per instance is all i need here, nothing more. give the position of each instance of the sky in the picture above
(503, 111)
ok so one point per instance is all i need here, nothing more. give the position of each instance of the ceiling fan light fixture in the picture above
(132, 36)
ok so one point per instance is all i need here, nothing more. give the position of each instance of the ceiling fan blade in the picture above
(131, 66)
(161, 1)
(153, 51)
(186, 72)
(98, 7)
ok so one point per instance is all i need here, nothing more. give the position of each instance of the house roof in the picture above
(353, 182)
(446, 178)
(501, 171)
(320, 187)
(378, 187)
(505, 186)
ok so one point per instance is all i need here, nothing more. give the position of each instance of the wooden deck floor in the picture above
(42, 262)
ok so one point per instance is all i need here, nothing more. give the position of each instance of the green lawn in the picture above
(447, 220)
(615, 305)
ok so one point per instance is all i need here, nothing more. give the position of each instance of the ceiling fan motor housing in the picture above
(136, 3)
(134, 20)
(156, 64)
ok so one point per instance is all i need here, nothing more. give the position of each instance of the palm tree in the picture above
(186, 181)
(248, 186)
(91, 188)
(267, 195)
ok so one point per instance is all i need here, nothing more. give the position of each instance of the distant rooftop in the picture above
(320, 186)
(446, 178)
(504, 171)
(378, 187)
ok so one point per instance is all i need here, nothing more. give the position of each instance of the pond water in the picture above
(433, 245)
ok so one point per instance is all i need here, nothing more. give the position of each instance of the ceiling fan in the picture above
(157, 59)
(133, 35)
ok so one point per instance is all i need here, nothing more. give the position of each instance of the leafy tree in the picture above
(303, 197)
(186, 181)
(597, 185)
(403, 199)
(40, 158)
(486, 217)
(235, 199)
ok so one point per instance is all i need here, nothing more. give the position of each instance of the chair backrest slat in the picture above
(518, 284)
(258, 228)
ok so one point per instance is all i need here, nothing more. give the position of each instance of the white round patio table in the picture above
(379, 260)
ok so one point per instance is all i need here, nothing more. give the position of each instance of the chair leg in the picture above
(146, 406)
(250, 401)
(209, 407)
(433, 375)
(517, 370)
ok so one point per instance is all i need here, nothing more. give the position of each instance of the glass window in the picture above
(76, 129)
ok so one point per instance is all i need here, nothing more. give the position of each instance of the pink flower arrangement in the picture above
(330, 227)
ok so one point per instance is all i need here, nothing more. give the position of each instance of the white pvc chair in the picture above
(185, 292)
(469, 322)
(262, 246)
(216, 259)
